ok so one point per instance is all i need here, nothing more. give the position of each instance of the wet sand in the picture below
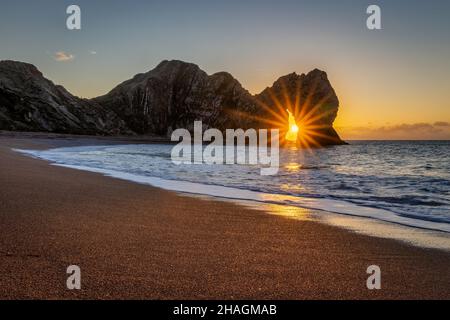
(138, 242)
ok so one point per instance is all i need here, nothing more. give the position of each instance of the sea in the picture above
(401, 182)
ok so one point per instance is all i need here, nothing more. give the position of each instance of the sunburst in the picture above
(300, 122)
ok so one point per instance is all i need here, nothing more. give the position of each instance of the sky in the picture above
(392, 83)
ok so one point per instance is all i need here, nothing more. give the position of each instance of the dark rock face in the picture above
(174, 95)
(30, 102)
(171, 96)
(310, 98)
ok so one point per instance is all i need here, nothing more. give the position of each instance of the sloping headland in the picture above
(173, 95)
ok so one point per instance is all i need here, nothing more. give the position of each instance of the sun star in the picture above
(291, 135)
(294, 128)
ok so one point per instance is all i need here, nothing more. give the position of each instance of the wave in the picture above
(315, 203)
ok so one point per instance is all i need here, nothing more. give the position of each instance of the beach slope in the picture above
(137, 242)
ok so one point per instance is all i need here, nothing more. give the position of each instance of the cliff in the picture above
(171, 96)
(30, 102)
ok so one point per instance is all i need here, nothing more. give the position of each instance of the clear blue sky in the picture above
(383, 78)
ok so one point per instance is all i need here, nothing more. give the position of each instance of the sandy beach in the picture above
(138, 242)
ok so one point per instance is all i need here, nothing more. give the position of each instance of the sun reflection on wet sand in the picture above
(365, 226)
(291, 212)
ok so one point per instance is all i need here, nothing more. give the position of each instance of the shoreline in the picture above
(154, 244)
(367, 220)
(420, 236)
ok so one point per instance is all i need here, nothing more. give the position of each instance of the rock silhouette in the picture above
(30, 102)
(171, 96)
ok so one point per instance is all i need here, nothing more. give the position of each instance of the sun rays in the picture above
(303, 111)
(301, 120)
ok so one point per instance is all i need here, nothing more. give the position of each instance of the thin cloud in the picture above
(442, 124)
(62, 56)
(417, 131)
(93, 52)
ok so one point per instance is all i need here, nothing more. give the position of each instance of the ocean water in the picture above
(404, 182)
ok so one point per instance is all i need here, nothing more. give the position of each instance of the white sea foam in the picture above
(104, 160)
(328, 205)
